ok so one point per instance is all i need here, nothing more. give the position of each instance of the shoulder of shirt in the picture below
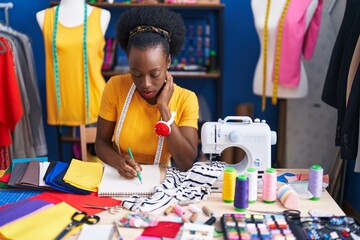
(121, 79)
(183, 91)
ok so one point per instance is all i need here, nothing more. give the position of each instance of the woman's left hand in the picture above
(167, 91)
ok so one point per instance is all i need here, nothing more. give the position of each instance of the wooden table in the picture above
(218, 207)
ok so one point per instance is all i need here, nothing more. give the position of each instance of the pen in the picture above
(137, 172)
(117, 230)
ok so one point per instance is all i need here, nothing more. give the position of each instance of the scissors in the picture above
(112, 210)
(77, 219)
(289, 214)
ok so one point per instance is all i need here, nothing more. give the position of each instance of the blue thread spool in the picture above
(315, 182)
(241, 200)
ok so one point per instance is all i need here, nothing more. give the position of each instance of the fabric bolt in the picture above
(43, 225)
(20, 209)
(30, 178)
(19, 160)
(78, 201)
(71, 70)
(43, 166)
(16, 173)
(194, 184)
(84, 175)
(11, 109)
(183, 102)
(54, 178)
(297, 40)
(336, 82)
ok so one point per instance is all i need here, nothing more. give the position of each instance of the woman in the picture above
(132, 104)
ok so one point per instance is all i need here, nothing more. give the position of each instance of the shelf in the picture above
(108, 74)
(172, 5)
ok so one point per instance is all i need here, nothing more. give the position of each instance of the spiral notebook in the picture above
(114, 185)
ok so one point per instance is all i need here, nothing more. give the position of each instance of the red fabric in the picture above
(77, 201)
(4, 157)
(172, 228)
(5, 178)
(11, 109)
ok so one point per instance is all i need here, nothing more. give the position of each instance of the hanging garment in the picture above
(69, 46)
(308, 139)
(298, 39)
(11, 109)
(28, 138)
(336, 82)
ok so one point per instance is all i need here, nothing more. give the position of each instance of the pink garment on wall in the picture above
(297, 40)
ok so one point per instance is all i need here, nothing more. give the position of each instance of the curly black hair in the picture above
(156, 16)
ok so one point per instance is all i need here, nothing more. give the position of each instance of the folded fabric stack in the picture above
(76, 177)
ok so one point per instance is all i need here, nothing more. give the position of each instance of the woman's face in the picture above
(148, 70)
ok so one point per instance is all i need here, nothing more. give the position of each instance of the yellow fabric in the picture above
(46, 224)
(84, 175)
(138, 128)
(71, 70)
(2, 172)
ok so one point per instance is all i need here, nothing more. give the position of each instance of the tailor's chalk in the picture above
(210, 221)
(169, 210)
(207, 211)
(193, 217)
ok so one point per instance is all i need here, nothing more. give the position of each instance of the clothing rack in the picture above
(6, 7)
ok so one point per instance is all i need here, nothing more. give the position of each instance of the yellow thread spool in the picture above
(229, 182)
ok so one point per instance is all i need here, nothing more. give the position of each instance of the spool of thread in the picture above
(169, 210)
(241, 200)
(288, 197)
(315, 181)
(229, 185)
(207, 211)
(193, 217)
(179, 210)
(252, 174)
(269, 185)
(193, 208)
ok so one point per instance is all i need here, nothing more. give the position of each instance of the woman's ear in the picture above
(168, 61)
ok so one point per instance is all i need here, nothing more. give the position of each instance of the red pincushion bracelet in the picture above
(163, 128)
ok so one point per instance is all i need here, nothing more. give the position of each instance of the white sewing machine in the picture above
(255, 138)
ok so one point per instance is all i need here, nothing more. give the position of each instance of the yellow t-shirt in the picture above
(69, 44)
(138, 128)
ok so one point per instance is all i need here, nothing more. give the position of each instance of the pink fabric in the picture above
(297, 40)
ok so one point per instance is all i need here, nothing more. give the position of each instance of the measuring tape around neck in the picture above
(56, 64)
(121, 122)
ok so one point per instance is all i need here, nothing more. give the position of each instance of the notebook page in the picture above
(114, 185)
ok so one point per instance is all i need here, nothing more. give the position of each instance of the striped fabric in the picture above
(195, 184)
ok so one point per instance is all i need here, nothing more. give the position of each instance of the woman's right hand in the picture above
(127, 167)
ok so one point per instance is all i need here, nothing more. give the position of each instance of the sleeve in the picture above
(190, 111)
(108, 107)
(312, 33)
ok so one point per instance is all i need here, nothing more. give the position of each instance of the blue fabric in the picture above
(54, 178)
